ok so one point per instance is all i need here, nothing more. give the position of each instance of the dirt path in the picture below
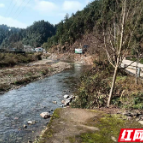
(17, 76)
(84, 126)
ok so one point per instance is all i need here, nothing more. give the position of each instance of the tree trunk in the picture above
(113, 84)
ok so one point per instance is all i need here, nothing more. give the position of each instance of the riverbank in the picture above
(86, 126)
(76, 125)
(12, 59)
(15, 77)
(85, 59)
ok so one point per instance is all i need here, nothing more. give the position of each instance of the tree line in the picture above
(74, 27)
(34, 35)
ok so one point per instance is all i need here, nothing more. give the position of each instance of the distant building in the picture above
(81, 49)
(11, 49)
(85, 46)
(39, 49)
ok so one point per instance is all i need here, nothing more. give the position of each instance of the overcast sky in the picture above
(22, 13)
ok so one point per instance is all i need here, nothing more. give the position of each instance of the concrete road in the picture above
(132, 67)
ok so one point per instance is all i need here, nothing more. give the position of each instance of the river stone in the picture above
(31, 122)
(71, 97)
(55, 102)
(137, 119)
(63, 101)
(45, 115)
(24, 126)
(67, 101)
(66, 96)
(113, 138)
(141, 122)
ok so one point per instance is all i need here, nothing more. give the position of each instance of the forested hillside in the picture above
(6, 32)
(96, 17)
(34, 35)
(72, 28)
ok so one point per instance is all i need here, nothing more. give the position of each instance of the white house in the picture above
(39, 49)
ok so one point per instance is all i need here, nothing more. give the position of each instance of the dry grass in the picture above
(11, 59)
(95, 86)
(20, 75)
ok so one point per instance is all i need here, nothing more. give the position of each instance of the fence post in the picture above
(138, 71)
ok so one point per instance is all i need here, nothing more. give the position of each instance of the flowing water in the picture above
(26, 103)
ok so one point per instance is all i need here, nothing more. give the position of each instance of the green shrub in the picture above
(93, 88)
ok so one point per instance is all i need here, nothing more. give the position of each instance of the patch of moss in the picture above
(72, 139)
(56, 114)
(121, 78)
(109, 126)
(49, 132)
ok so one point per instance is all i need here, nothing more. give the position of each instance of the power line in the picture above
(22, 9)
(19, 6)
(8, 7)
(11, 10)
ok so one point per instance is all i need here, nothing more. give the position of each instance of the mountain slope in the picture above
(34, 35)
(86, 27)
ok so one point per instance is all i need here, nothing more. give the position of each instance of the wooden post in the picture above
(138, 71)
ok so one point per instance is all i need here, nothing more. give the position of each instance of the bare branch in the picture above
(108, 55)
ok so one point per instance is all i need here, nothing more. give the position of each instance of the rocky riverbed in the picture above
(11, 78)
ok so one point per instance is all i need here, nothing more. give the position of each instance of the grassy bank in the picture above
(11, 59)
(94, 88)
(85, 126)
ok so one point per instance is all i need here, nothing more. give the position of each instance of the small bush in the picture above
(130, 101)
(11, 59)
(4, 87)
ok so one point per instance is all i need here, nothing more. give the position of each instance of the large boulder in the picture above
(45, 115)
(67, 102)
(66, 96)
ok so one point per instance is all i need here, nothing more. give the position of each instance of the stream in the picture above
(19, 106)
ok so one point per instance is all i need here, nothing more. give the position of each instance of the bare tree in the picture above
(118, 36)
